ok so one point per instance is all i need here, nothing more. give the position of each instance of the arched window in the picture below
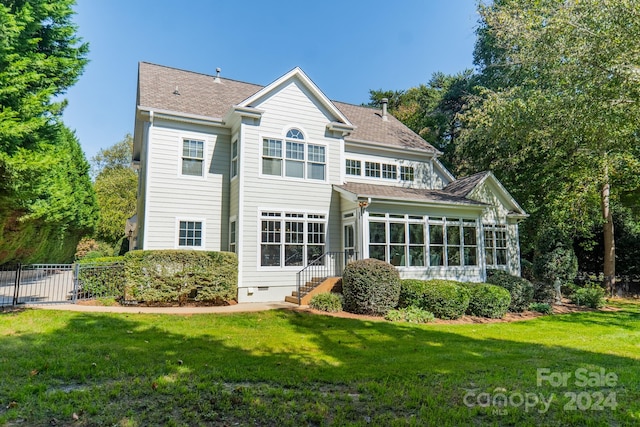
(295, 134)
(301, 159)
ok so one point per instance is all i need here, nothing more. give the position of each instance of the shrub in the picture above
(410, 314)
(329, 302)
(541, 307)
(590, 296)
(543, 292)
(521, 290)
(175, 276)
(411, 291)
(487, 300)
(101, 277)
(446, 299)
(370, 286)
(555, 261)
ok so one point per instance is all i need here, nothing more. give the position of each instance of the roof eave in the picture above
(386, 147)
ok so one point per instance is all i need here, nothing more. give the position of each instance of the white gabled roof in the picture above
(297, 73)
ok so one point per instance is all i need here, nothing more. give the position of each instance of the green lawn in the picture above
(287, 368)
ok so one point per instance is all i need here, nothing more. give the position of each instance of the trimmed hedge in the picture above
(328, 302)
(370, 286)
(176, 276)
(446, 299)
(101, 277)
(487, 300)
(521, 290)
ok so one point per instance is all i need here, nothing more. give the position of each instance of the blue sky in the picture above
(346, 47)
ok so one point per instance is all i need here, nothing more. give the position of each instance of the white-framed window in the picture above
(416, 241)
(301, 159)
(190, 234)
(406, 173)
(192, 157)
(495, 245)
(372, 169)
(232, 236)
(291, 239)
(353, 167)
(389, 171)
(234, 158)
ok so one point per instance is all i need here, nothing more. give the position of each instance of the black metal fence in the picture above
(59, 283)
(626, 285)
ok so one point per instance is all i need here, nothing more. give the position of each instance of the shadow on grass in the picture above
(291, 368)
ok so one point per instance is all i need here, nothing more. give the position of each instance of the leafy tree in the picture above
(46, 199)
(40, 58)
(558, 120)
(116, 156)
(432, 110)
(115, 185)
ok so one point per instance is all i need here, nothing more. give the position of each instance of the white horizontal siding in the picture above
(172, 196)
(289, 107)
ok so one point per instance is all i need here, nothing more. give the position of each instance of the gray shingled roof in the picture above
(463, 186)
(171, 89)
(409, 194)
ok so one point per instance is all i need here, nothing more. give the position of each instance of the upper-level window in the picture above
(234, 158)
(372, 169)
(353, 167)
(294, 134)
(406, 173)
(389, 171)
(301, 159)
(192, 157)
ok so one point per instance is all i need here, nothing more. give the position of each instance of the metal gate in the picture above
(57, 283)
(37, 284)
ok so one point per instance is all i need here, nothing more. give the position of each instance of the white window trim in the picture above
(426, 221)
(205, 146)
(493, 226)
(282, 217)
(232, 220)
(282, 138)
(398, 163)
(236, 158)
(177, 233)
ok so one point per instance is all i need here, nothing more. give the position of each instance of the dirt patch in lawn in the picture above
(565, 308)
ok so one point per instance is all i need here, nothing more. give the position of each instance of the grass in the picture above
(288, 369)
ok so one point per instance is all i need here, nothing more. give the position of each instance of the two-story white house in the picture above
(281, 175)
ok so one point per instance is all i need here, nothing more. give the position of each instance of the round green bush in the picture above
(370, 286)
(521, 290)
(589, 296)
(487, 300)
(446, 299)
(328, 301)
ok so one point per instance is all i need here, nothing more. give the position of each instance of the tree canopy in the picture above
(46, 199)
(116, 186)
(558, 118)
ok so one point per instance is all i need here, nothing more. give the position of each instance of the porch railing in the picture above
(329, 264)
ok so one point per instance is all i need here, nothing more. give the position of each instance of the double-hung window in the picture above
(301, 159)
(192, 157)
(272, 157)
(291, 239)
